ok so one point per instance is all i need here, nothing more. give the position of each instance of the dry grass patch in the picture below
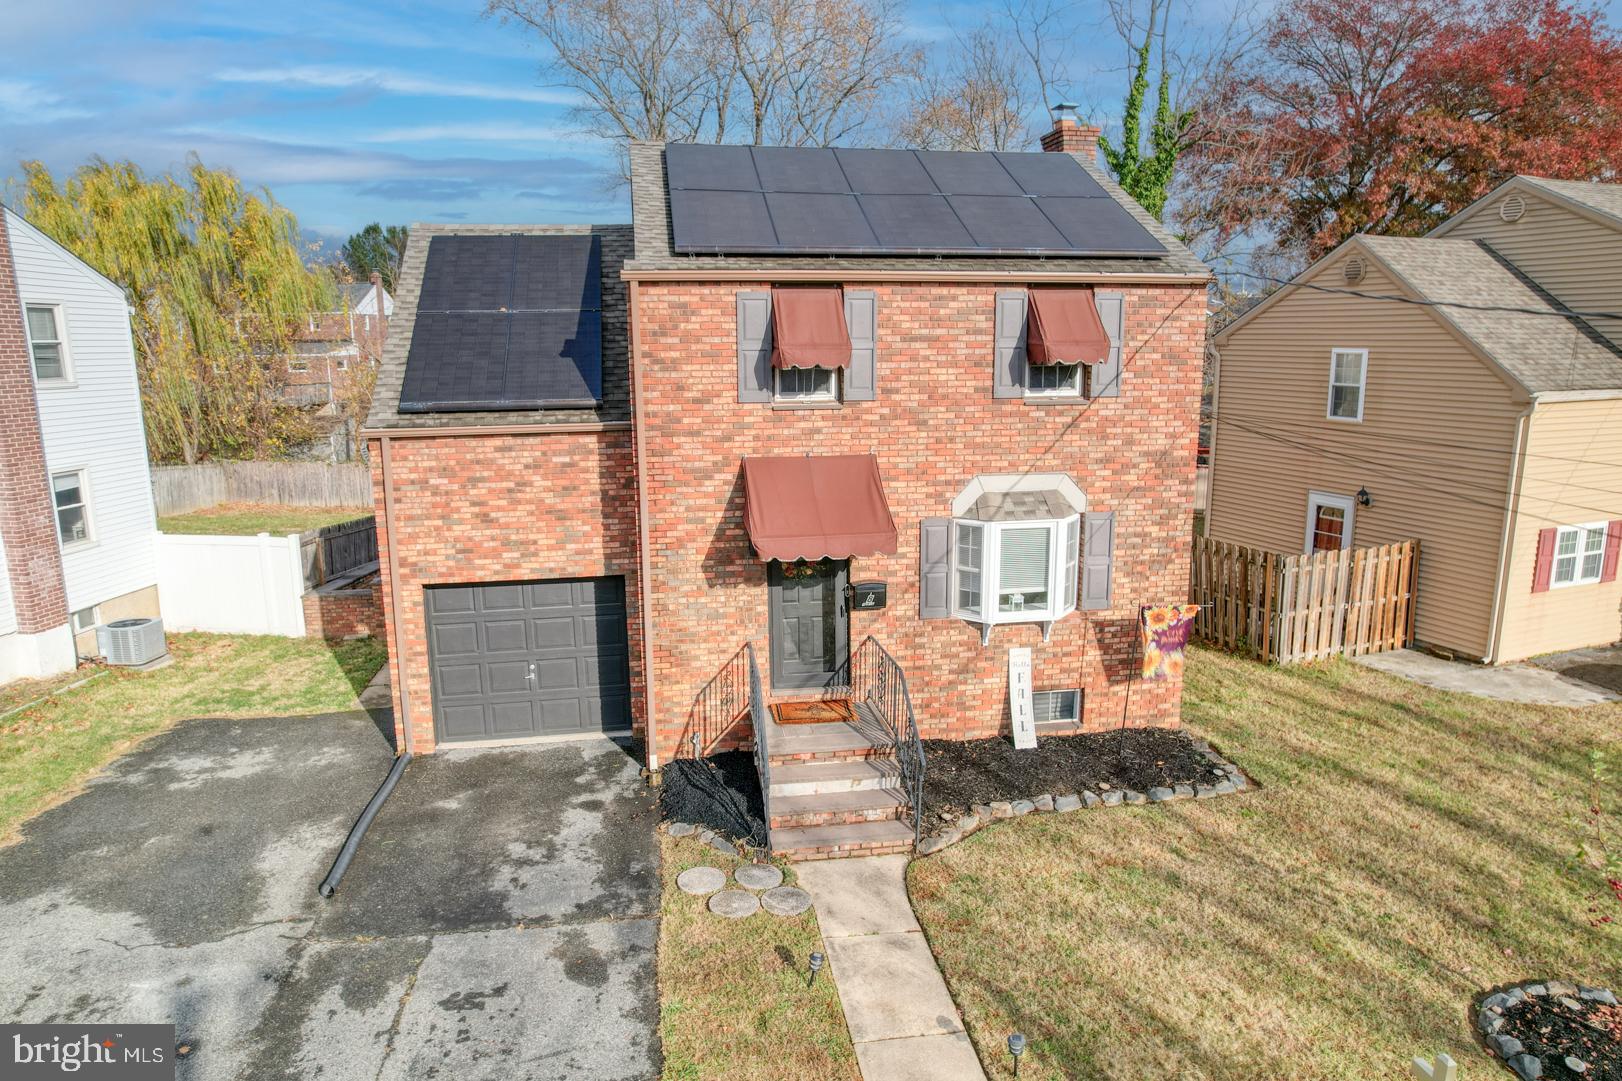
(1410, 849)
(46, 751)
(733, 1001)
(249, 519)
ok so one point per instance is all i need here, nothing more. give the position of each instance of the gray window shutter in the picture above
(1106, 375)
(862, 320)
(935, 568)
(1009, 351)
(1097, 559)
(754, 347)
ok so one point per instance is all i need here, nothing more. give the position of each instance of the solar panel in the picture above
(507, 323)
(816, 200)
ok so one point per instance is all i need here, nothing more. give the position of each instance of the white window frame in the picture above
(59, 317)
(95, 617)
(1587, 529)
(829, 397)
(1329, 499)
(1063, 569)
(1074, 692)
(1362, 384)
(1071, 388)
(89, 537)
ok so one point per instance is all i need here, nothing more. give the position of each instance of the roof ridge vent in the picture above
(1513, 206)
(1354, 270)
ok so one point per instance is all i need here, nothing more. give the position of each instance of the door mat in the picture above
(817, 711)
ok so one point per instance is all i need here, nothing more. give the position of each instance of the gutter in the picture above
(496, 429)
(1512, 507)
(711, 272)
(401, 691)
(644, 559)
(1216, 413)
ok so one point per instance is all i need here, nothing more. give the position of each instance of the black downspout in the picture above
(352, 842)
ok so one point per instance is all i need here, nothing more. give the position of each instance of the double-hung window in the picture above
(46, 344)
(1016, 571)
(1348, 379)
(1579, 554)
(72, 507)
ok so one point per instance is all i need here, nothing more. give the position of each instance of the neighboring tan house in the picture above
(1463, 389)
(971, 379)
(78, 537)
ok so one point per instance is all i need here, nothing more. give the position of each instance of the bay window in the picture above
(1020, 571)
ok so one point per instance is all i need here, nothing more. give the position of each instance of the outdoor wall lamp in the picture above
(1364, 499)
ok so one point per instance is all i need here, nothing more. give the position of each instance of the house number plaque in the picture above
(869, 595)
(1019, 698)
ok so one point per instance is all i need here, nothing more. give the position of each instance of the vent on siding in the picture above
(1512, 208)
(1354, 269)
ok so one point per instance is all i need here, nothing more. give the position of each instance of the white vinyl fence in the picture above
(231, 585)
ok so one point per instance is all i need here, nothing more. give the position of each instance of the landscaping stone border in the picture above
(984, 814)
(1490, 1018)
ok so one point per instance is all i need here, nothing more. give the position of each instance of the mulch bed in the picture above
(721, 793)
(961, 773)
(1550, 1028)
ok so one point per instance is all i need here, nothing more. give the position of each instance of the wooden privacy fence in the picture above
(1290, 608)
(337, 549)
(177, 489)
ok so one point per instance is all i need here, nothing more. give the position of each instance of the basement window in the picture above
(1056, 706)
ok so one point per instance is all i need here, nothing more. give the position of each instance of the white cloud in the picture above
(490, 132)
(346, 78)
(34, 104)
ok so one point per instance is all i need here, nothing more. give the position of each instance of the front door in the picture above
(809, 633)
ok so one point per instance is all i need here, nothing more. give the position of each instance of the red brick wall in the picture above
(934, 426)
(344, 613)
(501, 508)
(27, 518)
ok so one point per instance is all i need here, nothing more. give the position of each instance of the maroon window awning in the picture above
(808, 507)
(808, 327)
(1063, 327)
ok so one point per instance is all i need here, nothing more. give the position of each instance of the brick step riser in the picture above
(827, 788)
(853, 754)
(836, 818)
(805, 855)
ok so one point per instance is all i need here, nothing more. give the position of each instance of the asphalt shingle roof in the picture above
(1539, 347)
(1604, 198)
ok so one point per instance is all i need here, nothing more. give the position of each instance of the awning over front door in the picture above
(808, 507)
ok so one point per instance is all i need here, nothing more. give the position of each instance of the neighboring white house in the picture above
(78, 535)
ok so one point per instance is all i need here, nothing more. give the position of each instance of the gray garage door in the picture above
(519, 659)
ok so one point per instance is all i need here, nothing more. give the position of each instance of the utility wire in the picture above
(1557, 310)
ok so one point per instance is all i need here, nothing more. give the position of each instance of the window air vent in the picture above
(1512, 208)
(1353, 270)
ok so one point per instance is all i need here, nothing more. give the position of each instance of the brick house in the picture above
(969, 453)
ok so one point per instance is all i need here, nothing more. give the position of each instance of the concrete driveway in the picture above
(499, 921)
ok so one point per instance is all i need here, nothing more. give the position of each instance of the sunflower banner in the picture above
(1165, 629)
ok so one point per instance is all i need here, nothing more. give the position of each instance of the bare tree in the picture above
(979, 99)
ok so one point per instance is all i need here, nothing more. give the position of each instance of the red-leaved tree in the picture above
(1389, 115)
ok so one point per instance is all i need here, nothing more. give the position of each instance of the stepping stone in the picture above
(734, 904)
(701, 881)
(682, 829)
(785, 901)
(758, 876)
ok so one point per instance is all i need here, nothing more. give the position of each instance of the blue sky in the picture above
(416, 110)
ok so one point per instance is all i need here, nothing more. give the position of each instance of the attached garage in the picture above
(520, 660)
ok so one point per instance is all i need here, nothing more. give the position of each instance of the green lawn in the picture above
(46, 751)
(1408, 849)
(248, 519)
(733, 1000)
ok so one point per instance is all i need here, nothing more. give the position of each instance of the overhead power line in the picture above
(1557, 311)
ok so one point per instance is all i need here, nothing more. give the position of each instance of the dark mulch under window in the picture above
(960, 773)
(721, 793)
(1552, 1028)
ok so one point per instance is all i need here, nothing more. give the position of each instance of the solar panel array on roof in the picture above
(775, 200)
(507, 322)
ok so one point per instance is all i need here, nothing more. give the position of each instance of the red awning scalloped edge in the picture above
(810, 507)
(808, 327)
(1063, 326)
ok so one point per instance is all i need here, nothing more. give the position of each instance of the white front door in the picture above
(1329, 522)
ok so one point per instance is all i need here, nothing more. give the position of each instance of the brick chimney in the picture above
(27, 517)
(1070, 135)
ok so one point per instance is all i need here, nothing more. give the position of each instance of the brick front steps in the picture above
(835, 791)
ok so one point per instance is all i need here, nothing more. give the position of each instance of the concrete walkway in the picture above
(901, 1017)
(1507, 683)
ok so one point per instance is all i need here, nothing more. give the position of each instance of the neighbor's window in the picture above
(72, 510)
(805, 384)
(1052, 380)
(1348, 372)
(84, 619)
(1056, 705)
(1031, 568)
(1579, 553)
(45, 342)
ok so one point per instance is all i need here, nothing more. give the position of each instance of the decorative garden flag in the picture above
(1165, 629)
